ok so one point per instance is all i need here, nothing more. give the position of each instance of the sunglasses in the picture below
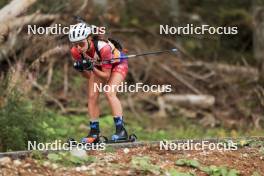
(81, 44)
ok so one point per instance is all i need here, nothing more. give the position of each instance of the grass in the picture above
(66, 159)
(76, 126)
(209, 170)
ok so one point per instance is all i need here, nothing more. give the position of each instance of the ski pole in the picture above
(137, 55)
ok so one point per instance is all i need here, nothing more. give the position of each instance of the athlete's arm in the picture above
(105, 73)
(86, 74)
(77, 56)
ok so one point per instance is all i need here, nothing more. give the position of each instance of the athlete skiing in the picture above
(85, 51)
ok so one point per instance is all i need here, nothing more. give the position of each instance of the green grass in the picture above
(209, 170)
(67, 159)
(63, 127)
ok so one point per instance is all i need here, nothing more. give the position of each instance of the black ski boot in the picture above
(92, 137)
(120, 134)
(94, 134)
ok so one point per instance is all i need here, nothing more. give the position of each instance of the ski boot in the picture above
(120, 134)
(92, 137)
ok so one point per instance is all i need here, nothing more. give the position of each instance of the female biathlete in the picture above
(85, 50)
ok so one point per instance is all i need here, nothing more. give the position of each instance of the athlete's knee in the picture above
(110, 94)
(92, 98)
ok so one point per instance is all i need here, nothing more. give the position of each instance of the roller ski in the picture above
(121, 135)
(130, 138)
(116, 138)
(92, 138)
(87, 140)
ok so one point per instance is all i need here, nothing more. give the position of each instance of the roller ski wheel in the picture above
(132, 137)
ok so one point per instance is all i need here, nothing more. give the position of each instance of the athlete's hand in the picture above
(87, 65)
(78, 66)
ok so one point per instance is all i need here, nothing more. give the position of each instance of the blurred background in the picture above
(217, 80)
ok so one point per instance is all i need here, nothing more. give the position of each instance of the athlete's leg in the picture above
(93, 109)
(115, 104)
(93, 94)
(115, 80)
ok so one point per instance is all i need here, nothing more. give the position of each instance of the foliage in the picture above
(190, 163)
(174, 172)
(3, 3)
(211, 170)
(21, 120)
(143, 163)
(62, 127)
(65, 158)
(220, 171)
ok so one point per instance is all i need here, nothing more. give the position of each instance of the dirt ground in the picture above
(246, 161)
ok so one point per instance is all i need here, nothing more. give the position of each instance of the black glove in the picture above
(78, 66)
(87, 65)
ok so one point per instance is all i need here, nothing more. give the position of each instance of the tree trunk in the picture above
(14, 8)
(258, 14)
(190, 100)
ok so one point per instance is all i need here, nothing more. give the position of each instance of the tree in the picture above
(258, 15)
